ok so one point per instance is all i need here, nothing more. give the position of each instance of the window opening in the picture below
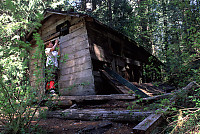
(63, 28)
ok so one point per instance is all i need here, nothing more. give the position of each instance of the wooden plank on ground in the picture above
(148, 124)
(97, 97)
(98, 114)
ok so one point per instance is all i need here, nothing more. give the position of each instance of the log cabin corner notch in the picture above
(90, 45)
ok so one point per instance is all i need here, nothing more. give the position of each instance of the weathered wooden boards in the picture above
(49, 27)
(98, 114)
(97, 97)
(76, 76)
(67, 101)
(145, 127)
(120, 88)
(125, 82)
(148, 124)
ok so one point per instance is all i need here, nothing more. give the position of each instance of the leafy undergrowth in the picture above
(182, 114)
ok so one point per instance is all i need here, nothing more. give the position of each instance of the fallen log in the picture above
(96, 97)
(62, 103)
(67, 101)
(98, 114)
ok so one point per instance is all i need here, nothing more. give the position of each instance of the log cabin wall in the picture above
(47, 31)
(76, 76)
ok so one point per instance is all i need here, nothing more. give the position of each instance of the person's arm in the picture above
(54, 47)
(58, 49)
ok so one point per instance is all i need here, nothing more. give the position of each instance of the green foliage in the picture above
(185, 113)
(64, 59)
(83, 84)
(18, 103)
(17, 97)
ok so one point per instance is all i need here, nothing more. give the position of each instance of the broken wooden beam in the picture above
(126, 83)
(154, 98)
(148, 124)
(98, 114)
(114, 83)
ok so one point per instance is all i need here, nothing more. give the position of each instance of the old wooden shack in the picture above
(90, 46)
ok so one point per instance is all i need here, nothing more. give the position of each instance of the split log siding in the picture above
(76, 76)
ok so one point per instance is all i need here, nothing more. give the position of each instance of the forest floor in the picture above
(63, 126)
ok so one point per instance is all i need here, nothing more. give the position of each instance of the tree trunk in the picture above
(83, 5)
(109, 13)
(94, 5)
(144, 23)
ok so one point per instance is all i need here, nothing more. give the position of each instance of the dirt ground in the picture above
(61, 126)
